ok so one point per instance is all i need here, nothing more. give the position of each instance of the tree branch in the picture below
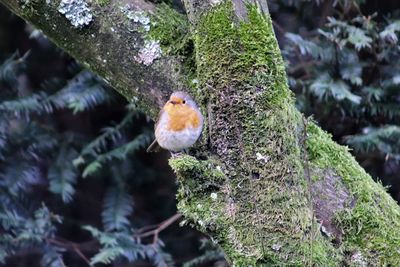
(274, 190)
(112, 45)
(145, 232)
(73, 247)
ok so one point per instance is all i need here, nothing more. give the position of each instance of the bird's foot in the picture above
(179, 153)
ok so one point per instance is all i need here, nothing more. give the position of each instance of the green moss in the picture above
(262, 212)
(217, 64)
(201, 183)
(103, 3)
(372, 226)
(29, 6)
(161, 1)
(262, 215)
(171, 29)
(201, 171)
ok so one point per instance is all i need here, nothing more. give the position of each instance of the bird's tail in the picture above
(154, 147)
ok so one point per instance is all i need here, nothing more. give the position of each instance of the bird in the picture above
(179, 124)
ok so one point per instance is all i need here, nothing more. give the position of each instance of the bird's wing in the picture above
(158, 119)
(154, 146)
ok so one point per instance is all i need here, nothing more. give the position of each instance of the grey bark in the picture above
(108, 46)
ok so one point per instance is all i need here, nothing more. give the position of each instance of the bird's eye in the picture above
(183, 102)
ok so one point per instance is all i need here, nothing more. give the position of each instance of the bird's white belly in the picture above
(177, 140)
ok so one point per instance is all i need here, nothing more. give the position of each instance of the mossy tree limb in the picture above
(113, 45)
(260, 212)
(275, 189)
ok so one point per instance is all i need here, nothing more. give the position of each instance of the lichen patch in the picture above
(358, 260)
(215, 2)
(261, 157)
(76, 11)
(137, 16)
(149, 52)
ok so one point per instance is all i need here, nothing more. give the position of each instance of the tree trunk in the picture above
(269, 186)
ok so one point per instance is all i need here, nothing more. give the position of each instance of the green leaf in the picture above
(325, 86)
(91, 168)
(107, 255)
(62, 174)
(19, 176)
(106, 239)
(389, 34)
(117, 206)
(305, 47)
(119, 153)
(110, 134)
(385, 140)
(52, 257)
(358, 38)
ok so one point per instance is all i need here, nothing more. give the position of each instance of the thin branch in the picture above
(159, 228)
(278, 27)
(71, 246)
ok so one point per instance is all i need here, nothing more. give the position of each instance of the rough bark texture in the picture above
(113, 45)
(269, 186)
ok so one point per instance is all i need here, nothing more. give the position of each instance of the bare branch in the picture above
(144, 232)
(73, 247)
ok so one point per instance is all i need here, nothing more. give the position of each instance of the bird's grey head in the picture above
(180, 97)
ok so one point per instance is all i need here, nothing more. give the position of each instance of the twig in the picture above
(80, 253)
(69, 245)
(147, 228)
(159, 228)
(278, 27)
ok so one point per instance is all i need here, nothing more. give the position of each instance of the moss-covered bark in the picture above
(262, 214)
(275, 190)
(268, 186)
(112, 44)
(368, 219)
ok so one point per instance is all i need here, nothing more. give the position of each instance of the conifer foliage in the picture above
(35, 153)
(343, 66)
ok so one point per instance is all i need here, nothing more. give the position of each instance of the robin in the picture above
(179, 124)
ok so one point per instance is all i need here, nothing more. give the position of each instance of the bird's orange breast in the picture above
(181, 117)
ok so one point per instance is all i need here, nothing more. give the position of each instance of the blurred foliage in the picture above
(34, 153)
(343, 67)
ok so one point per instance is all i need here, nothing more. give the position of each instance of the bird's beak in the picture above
(173, 102)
